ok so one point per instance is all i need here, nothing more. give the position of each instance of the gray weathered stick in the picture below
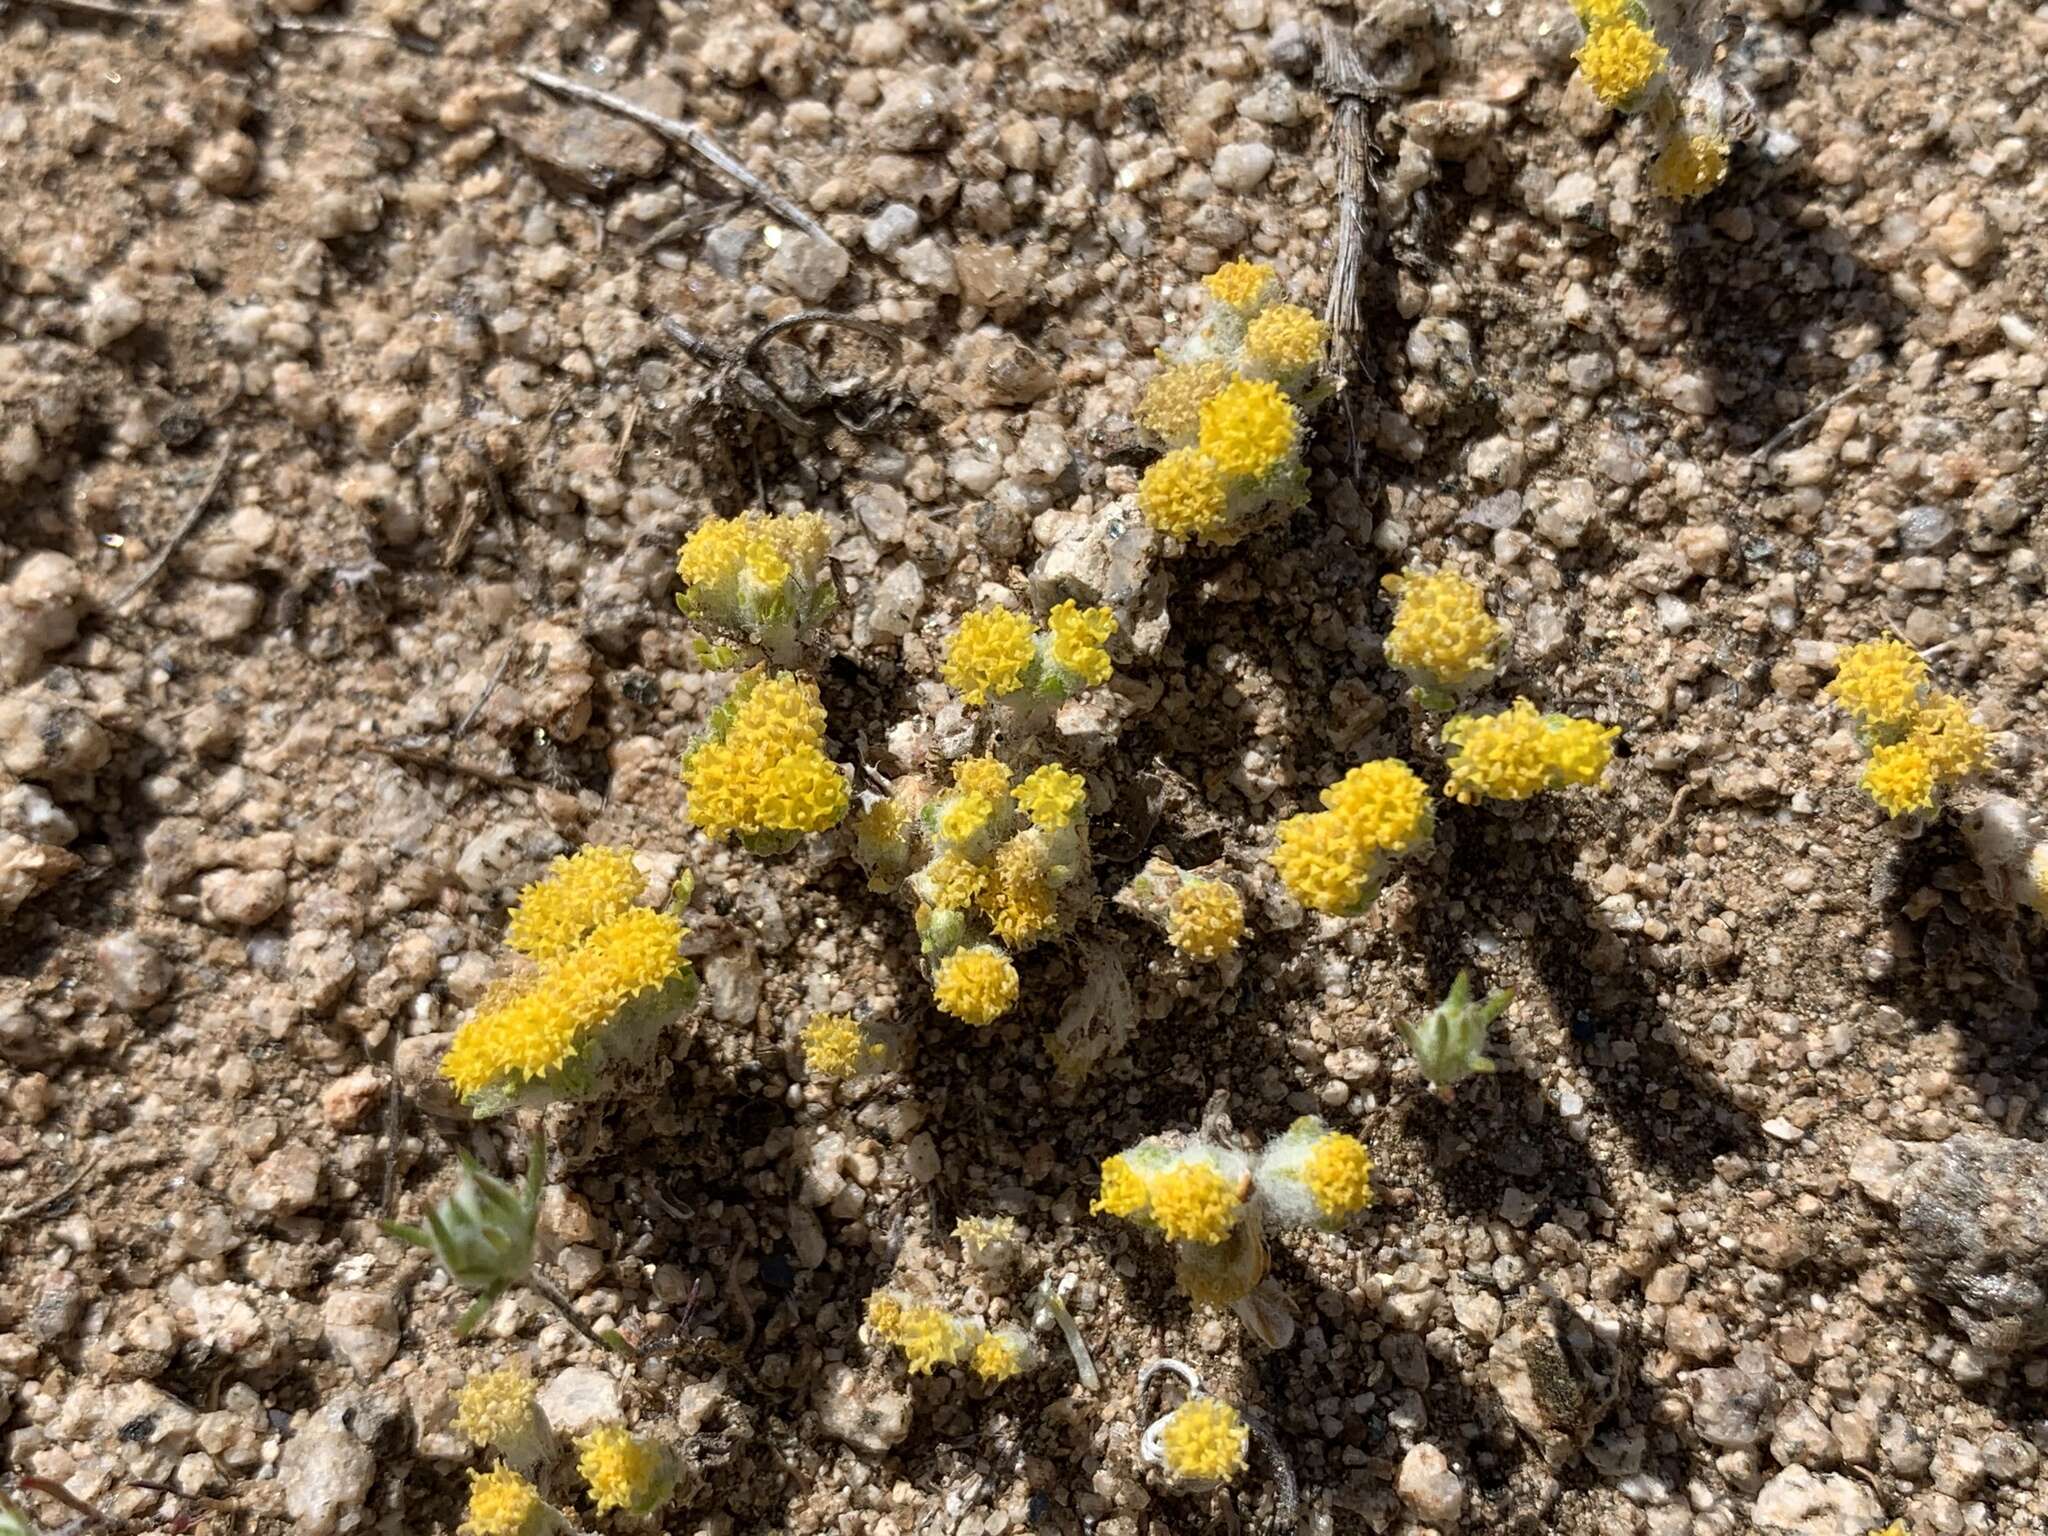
(186, 524)
(695, 140)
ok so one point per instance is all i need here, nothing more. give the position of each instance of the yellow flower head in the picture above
(502, 1503)
(951, 880)
(1338, 1173)
(1443, 637)
(753, 558)
(1518, 752)
(581, 891)
(1182, 495)
(2037, 876)
(763, 770)
(976, 983)
(1248, 428)
(982, 776)
(989, 654)
(1384, 804)
(534, 1029)
(1193, 1203)
(1001, 1355)
(1205, 1441)
(929, 1337)
(1172, 406)
(1285, 339)
(1077, 641)
(885, 1314)
(1052, 796)
(1954, 743)
(1124, 1191)
(1880, 683)
(1619, 60)
(1900, 778)
(965, 816)
(1691, 165)
(1016, 896)
(623, 1471)
(1205, 919)
(1325, 863)
(1241, 284)
(495, 1406)
(1595, 14)
(836, 1045)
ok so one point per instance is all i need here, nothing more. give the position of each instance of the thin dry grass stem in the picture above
(191, 519)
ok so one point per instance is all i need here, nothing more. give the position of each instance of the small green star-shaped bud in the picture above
(1450, 1040)
(482, 1234)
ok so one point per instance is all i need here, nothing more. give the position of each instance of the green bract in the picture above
(483, 1233)
(1450, 1041)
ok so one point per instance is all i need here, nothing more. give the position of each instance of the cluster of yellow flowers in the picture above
(498, 1410)
(1211, 1201)
(839, 1045)
(930, 1337)
(757, 579)
(1920, 740)
(1443, 638)
(1624, 65)
(998, 867)
(609, 975)
(1517, 752)
(1228, 410)
(999, 656)
(1335, 860)
(761, 770)
(1205, 919)
(620, 1470)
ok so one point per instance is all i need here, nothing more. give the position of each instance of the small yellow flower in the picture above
(502, 1503)
(1691, 165)
(1384, 805)
(495, 1406)
(1205, 919)
(1880, 683)
(1595, 14)
(1077, 641)
(1443, 637)
(982, 776)
(754, 568)
(1324, 863)
(1896, 1528)
(989, 654)
(1955, 745)
(534, 1028)
(836, 1045)
(1285, 339)
(1248, 428)
(1052, 796)
(885, 1314)
(2037, 876)
(1205, 1441)
(581, 891)
(929, 1337)
(965, 816)
(1619, 60)
(623, 1471)
(1182, 495)
(1016, 896)
(1001, 1355)
(1900, 778)
(951, 880)
(1240, 284)
(1172, 406)
(976, 984)
(1338, 1173)
(1518, 752)
(1193, 1203)
(1124, 1192)
(762, 771)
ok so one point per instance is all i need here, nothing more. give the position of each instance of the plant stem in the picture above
(546, 1290)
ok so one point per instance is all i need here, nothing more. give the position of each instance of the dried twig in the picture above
(1342, 79)
(16, 1213)
(699, 143)
(102, 8)
(186, 524)
(316, 27)
(497, 676)
(419, 757)
(1798, 423)
(625, 443)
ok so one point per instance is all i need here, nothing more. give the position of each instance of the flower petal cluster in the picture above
(1443, 638)
(1335, 860)
(757, 578)
(1919, 739)
(761, 771)
(998, 656)
(1519, 752)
